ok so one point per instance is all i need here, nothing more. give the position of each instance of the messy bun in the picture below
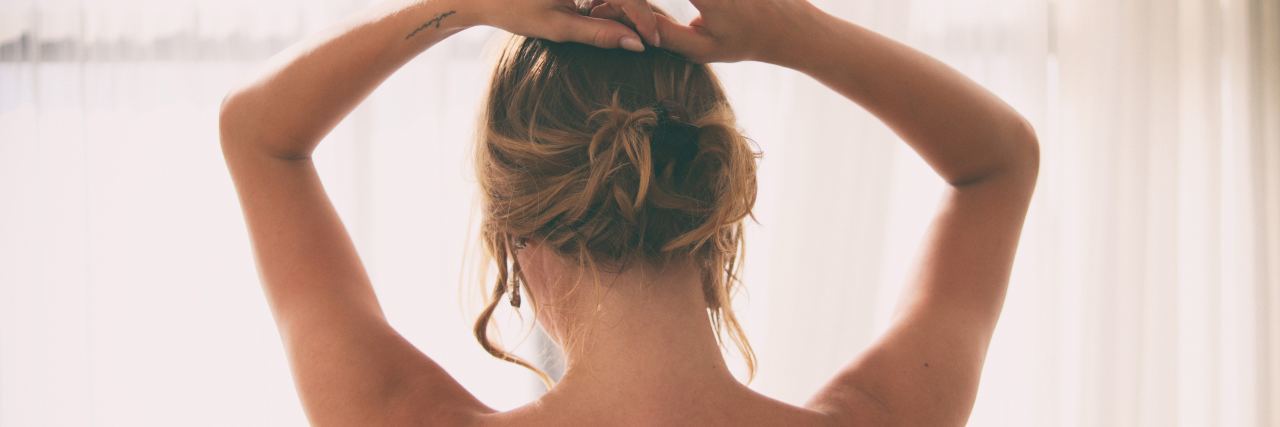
(644, 190)
(612, 158)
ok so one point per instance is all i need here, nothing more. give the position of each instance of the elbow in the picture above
(231, 121)
(244, 126)
(1026, 147)
(1017, 158)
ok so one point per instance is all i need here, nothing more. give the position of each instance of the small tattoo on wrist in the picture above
(433, 22)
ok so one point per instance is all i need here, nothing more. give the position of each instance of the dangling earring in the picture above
(515, 292)
(520, 243)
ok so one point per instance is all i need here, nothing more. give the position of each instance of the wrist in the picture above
(800, 43)
(452, 16)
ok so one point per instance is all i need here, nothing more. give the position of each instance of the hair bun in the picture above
(673, 136)
(661, 182)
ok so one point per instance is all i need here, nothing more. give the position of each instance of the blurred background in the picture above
(1146, 290)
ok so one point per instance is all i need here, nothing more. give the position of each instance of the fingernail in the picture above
(657, 39)
(632, 43)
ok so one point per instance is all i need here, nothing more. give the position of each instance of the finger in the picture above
(688, 41)
(607, 11)
(602, 33)
(642, 15)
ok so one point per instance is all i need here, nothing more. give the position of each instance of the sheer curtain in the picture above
(1146, 291)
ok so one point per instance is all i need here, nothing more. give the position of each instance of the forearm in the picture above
(306, 90)
(963, 131)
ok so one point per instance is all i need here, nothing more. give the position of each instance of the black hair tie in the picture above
(673, 136)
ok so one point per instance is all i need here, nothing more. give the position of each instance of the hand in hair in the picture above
(560, 21)
(728, 31)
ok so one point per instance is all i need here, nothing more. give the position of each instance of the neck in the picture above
(643, 333)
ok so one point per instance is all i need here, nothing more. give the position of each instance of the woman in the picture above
(615, 185)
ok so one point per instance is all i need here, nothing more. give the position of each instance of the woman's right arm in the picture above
(925, 369)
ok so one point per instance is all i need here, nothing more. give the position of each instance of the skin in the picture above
(637, 354)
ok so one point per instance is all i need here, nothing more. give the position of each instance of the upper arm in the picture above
(350, 367)
(925, 369)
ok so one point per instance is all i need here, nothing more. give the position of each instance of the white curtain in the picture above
(1146, 290)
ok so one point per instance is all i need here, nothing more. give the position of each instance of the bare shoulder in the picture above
(779, 414)
(769, 411)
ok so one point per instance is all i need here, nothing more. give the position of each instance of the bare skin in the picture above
(649, 356)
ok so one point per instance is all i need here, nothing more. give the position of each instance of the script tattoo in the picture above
(433, 22)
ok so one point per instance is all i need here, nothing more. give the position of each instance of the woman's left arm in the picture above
(350, 367)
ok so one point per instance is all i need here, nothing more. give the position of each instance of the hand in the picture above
(560, 21)
(736, 30)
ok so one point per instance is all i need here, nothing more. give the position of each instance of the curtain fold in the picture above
(1146, 290)
(1263, 33)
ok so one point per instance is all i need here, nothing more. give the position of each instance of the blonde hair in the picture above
(610, 157)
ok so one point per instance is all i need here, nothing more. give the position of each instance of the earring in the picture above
(515, 291)
(518, 243)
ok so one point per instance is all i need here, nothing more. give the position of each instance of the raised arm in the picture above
(925, 369)
(349, 365)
